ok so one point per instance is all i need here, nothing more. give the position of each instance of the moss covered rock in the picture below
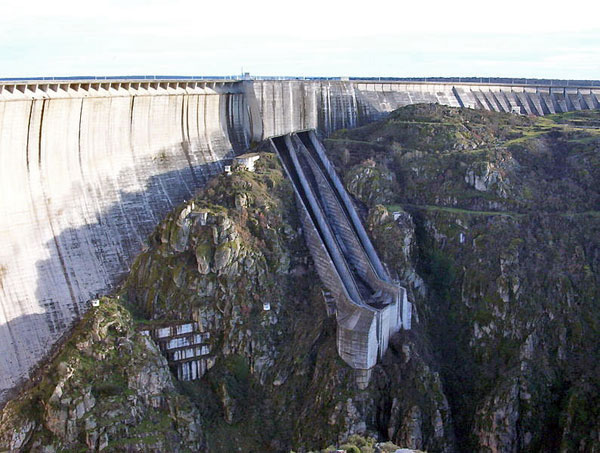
(109, 389)
(504, 248)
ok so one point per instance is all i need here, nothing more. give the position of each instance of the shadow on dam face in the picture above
(88, 260)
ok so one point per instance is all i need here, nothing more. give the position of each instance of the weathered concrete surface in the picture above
(288, 106)
(87, 169)
(369, 307)
(83, 180)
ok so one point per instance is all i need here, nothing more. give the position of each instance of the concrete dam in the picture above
(88, 168)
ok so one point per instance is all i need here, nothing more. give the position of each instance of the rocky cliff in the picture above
(491, 220)
(277, 381)
(273, 380)
(108, 389)
(506, 216)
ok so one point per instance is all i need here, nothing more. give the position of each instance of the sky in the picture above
(512, 38)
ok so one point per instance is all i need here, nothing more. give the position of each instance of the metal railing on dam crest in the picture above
(454, 80)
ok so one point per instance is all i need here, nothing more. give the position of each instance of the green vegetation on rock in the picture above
(491, 221)
(108, 387)
(475, 160)
(505, 246)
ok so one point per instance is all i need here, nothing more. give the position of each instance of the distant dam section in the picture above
(89, 167)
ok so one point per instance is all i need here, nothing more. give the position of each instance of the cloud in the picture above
(313, 37)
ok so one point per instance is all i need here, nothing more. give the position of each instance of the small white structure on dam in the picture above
(247, 160)
(89, 167)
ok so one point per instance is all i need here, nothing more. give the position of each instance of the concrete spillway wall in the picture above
(369, 307)
(87, 169)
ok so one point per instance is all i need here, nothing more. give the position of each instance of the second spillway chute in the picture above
(368, 305)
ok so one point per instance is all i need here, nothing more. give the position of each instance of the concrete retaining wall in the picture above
(185, 348)
(368, 307)
(292, 105)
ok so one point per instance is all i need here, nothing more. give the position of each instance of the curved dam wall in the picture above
(87, 170)
(86, 174)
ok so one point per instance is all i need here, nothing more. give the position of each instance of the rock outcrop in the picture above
(491, 222)
(108, 389)
(505, 245)
(216, 260)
